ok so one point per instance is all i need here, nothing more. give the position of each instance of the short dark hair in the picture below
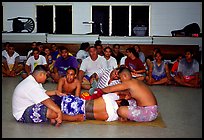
(124, 102)
(133, 51)
(98, 42)
(72, 68)
(84, 45)
(36, 49)
(114, 45)
(92, 47)
(123, 69)
(39, 68)
(61, 48)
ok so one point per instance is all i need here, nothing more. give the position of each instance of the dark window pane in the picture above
(120, 20)
(63, 20)
(44, 19)
(140, 18)
(100, 16)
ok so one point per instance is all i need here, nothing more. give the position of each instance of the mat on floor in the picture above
(156, 123)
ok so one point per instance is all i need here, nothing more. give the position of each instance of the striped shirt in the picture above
(104, 77)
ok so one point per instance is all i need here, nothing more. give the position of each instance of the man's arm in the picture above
(78, 88)
(60, 84)
(27, 69)
(115, 88)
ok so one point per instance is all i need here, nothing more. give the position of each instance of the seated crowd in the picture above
(115, 85)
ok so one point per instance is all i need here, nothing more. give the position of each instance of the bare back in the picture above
(138, 90)
(141, 92)
(99, 109)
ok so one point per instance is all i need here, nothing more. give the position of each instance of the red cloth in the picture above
(97, 93)
(174, 67)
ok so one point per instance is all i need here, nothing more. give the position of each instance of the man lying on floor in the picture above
(102, 108)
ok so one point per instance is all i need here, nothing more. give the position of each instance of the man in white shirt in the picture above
(90, 65)
(31, 103)
(111, 61)
(33, 61)
(10, 62)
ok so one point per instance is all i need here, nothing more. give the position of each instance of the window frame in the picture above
(54, 14)
(129, 18)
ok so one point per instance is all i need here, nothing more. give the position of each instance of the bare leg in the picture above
(123, 113)
(52, 116)
(79, 117)
(160, 82)
(183, 83)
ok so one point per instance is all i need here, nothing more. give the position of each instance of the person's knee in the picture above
(122, 112)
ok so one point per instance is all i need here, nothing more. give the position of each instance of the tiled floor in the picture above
(180, 107)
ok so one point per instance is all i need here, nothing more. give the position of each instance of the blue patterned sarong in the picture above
(72, 105)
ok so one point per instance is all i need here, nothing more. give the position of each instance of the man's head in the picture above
(39, 45)
(99, 49)
(93, 53)
(116, 48)
(107, 51)
(36, 53)
(188, 54)
(71, 74)
(114, 74)
(40, 73)
(64, 52)
(124, 74)
(11, 49)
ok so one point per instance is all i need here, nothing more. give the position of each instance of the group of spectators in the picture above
(89, 60)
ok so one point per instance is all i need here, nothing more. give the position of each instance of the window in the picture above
(140, 18)
(101, 20)
(60, 22)
(121, 20)
(63, 20)
(44, 19)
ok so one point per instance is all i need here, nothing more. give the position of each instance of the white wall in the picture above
(164, 16)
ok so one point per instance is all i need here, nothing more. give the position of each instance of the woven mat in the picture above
(156, 123)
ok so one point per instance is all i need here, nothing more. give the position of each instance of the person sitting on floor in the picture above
(111, 61)
(63, 63)
(90, 65)
(68, 85)
(188, 71)
(10, 62)
(33, 61)
(159, 71)
(146, 108)
(31, 103)
(135, 64)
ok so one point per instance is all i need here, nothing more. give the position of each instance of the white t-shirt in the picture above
(122, 60)
(89, 66)
(82, 54)
(27, 93)
(33, 63)
(10, 60)
(111, 63)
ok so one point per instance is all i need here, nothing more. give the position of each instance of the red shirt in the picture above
(135, 64)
